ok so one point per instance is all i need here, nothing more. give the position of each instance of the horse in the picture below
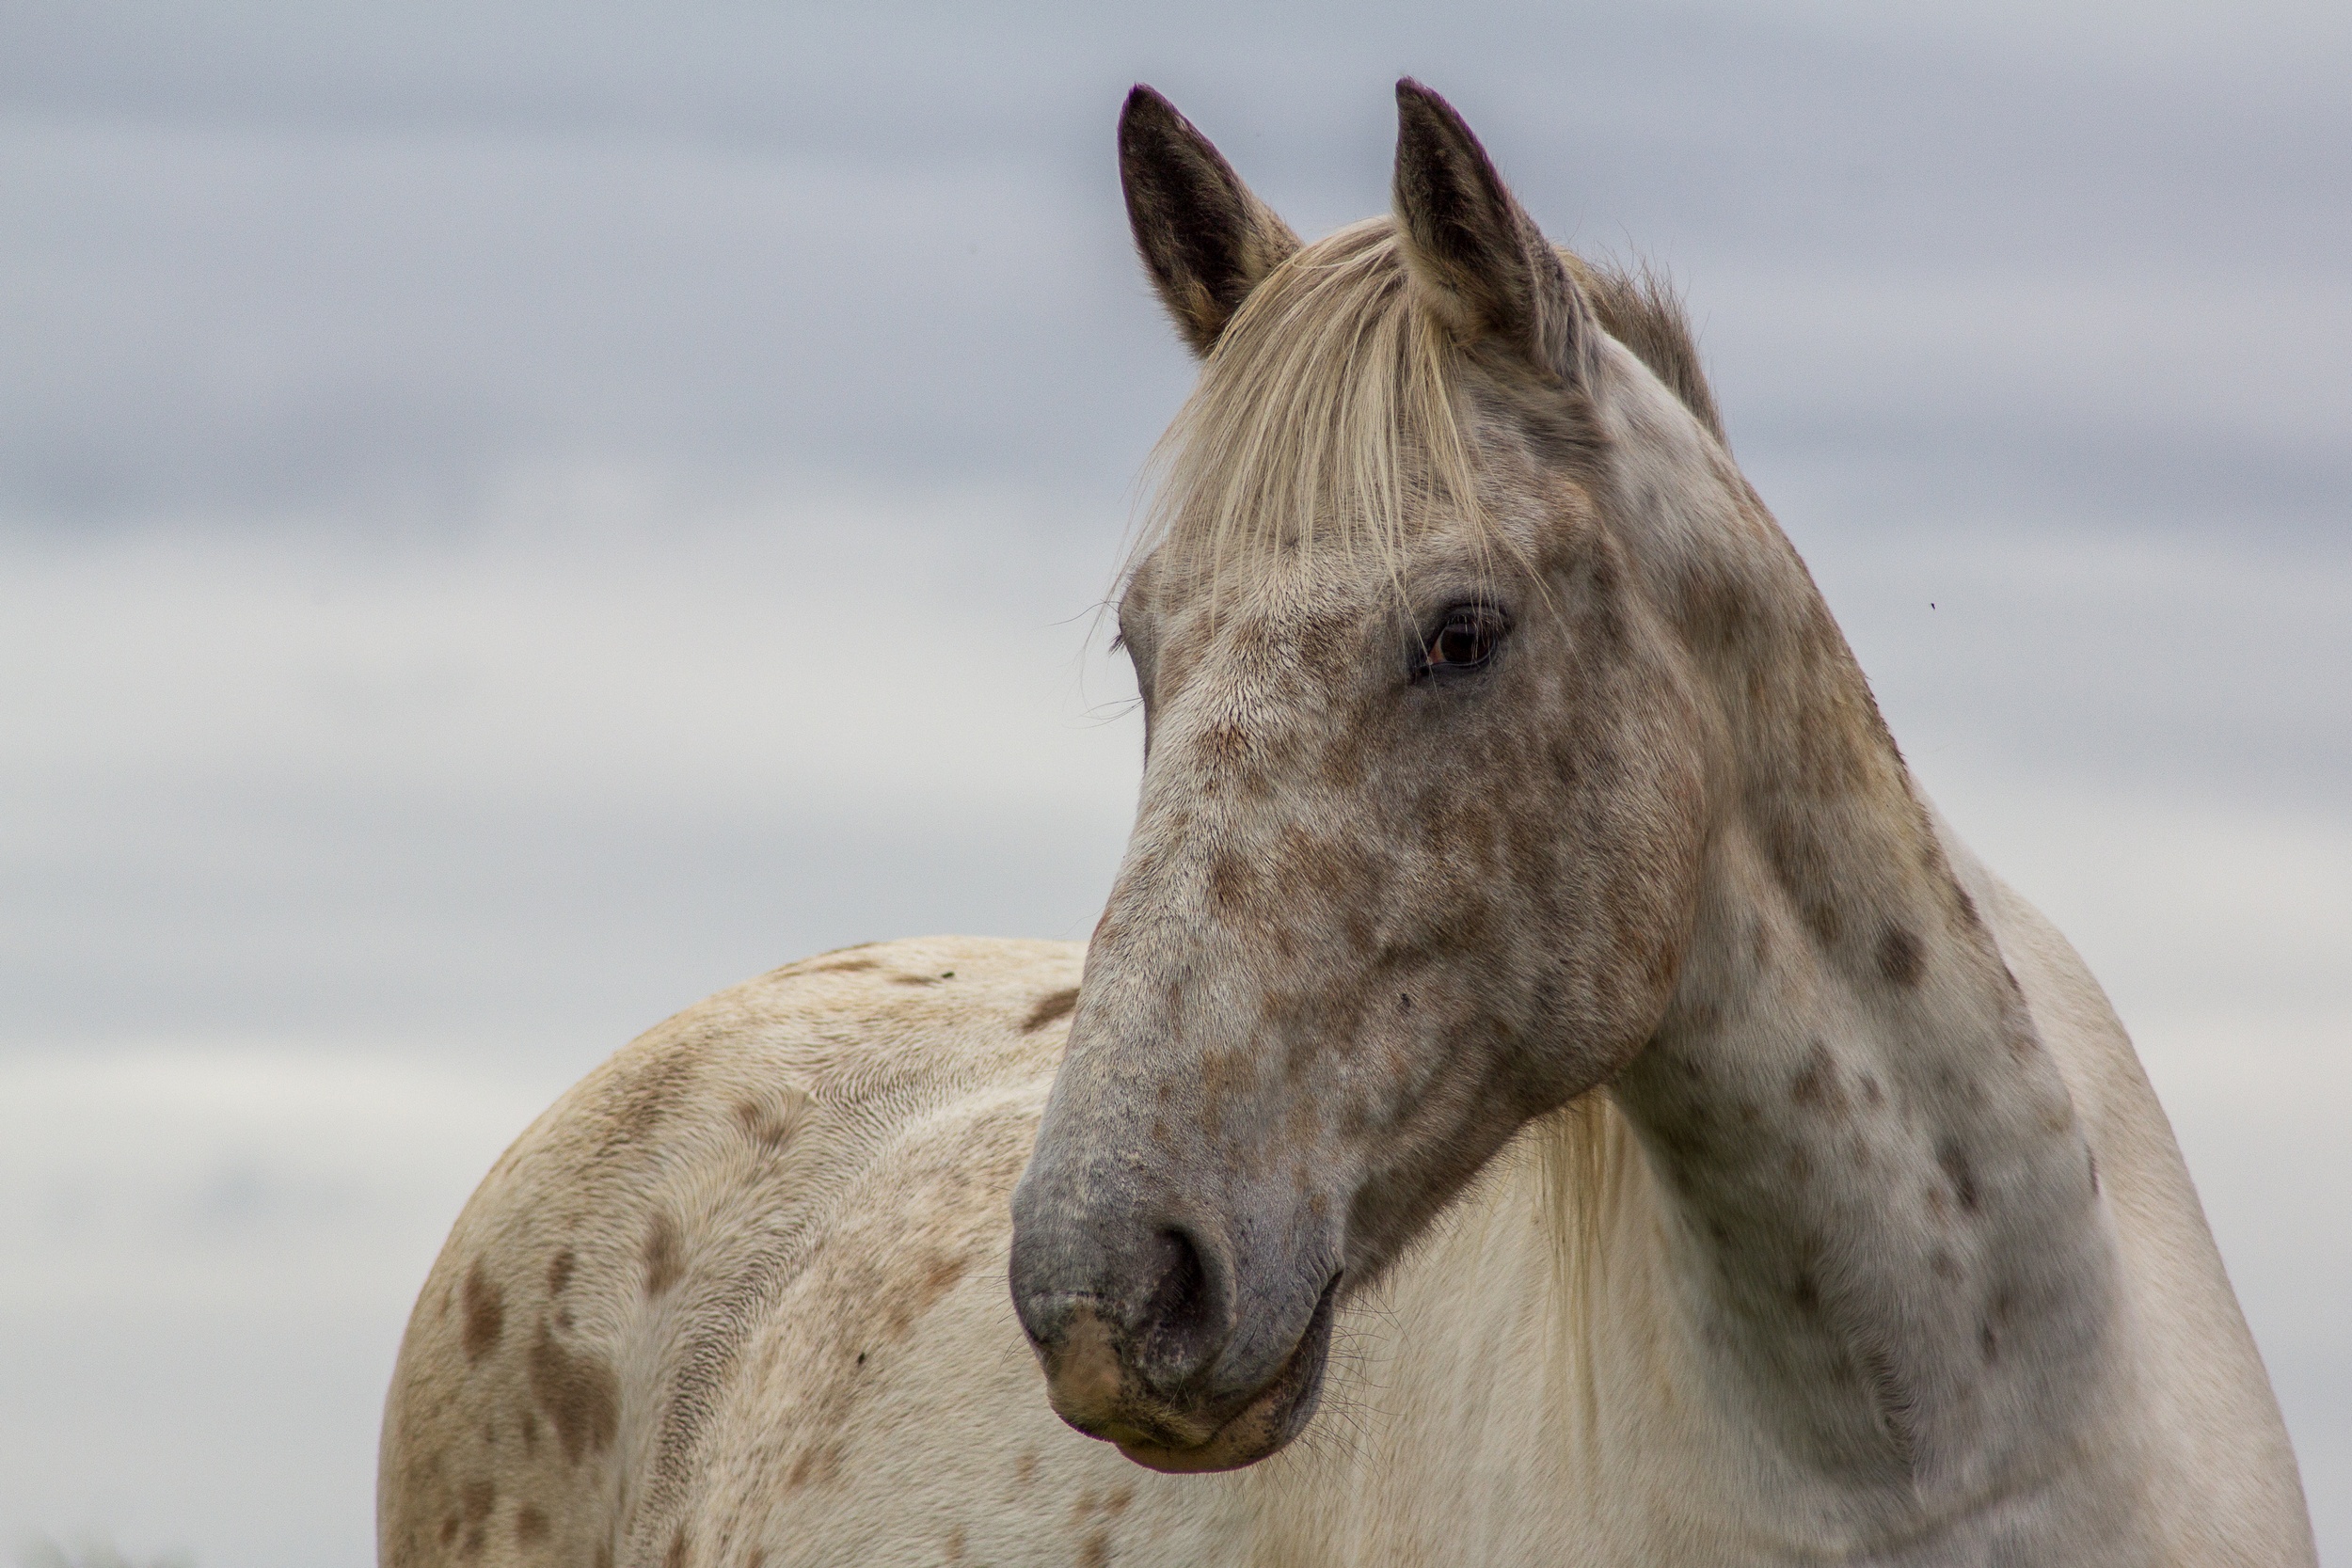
(1546, 1086)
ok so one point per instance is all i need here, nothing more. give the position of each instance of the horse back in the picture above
(713, 1265)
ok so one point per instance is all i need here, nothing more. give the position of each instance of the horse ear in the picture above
(1475, 255)
(1206, 239)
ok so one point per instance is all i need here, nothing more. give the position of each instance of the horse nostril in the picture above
(1187, 1318)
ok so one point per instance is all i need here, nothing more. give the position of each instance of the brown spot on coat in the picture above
(1052, 1006)
(531, 1526)
(665, 1260)
(816, 1465)
(637, 1103)
(1954, 1160)
(474, 1501)
(771, 1122)
(485, 1313)
(1900, 957)
(936, 1280)
(1815, 1083)
(579, 1392)
(681, 1550)
(560, 1269)
(1097, 1550)
(1231, 881)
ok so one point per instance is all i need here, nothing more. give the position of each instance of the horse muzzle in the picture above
(1155, 1337)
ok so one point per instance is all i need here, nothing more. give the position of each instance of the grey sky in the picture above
(512, 516)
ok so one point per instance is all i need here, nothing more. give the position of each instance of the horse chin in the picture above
(1274, 1416)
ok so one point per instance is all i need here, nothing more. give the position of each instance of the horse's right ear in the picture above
(1206, 239)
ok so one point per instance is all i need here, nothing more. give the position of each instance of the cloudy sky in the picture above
(515, 515)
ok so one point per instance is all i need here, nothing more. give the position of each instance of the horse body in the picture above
(1546, 1089)
(738, 1299)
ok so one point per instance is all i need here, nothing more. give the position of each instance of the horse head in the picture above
(1424, 791)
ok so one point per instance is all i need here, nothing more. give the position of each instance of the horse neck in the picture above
(1880, 1209)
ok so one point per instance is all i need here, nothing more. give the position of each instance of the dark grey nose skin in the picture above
(1092, 1241)
(1161, 1294)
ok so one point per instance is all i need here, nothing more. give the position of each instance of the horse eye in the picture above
(1466, 639)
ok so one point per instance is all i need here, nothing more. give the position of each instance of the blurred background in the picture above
(514, 516)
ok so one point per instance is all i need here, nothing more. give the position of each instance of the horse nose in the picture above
(1186, 1316)
(1124, 1328)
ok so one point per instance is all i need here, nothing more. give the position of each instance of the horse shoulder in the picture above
(587, 1317)
(2221, 1474)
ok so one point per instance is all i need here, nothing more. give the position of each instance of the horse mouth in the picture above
(1270, 1418)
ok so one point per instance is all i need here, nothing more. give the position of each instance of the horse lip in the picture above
(1273, 1415)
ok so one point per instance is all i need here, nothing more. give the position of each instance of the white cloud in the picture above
(585, 643)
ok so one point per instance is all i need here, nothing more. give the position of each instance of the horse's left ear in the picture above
(1475, 255)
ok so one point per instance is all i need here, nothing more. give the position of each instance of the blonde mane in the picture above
(1583, 1154)
(1329, 414)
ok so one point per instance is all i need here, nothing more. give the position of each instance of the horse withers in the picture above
(1546, 1088)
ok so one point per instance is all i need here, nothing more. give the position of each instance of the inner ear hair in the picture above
(1476, 256)
(1204, 236)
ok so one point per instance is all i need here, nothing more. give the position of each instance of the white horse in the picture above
(1546, 1088)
